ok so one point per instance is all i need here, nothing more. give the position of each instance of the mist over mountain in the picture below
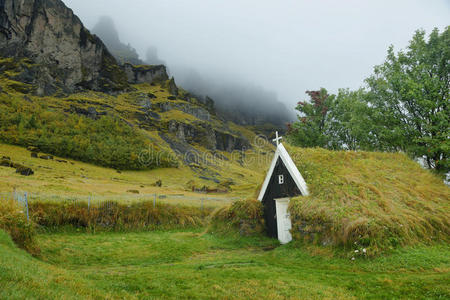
(106, 30)
(151, 57)
(241, 102)
(235, 99)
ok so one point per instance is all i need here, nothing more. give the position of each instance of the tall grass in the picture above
(365, 200)
(14, 222)
(115, 216)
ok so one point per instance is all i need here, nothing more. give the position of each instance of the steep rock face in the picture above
(209, 137)
(69, 57)
(145, 74)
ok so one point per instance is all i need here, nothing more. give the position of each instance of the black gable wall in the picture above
(274, 191)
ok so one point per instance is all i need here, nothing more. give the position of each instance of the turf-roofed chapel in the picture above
(373, 199)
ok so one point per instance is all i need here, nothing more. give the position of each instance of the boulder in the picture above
(25, 171)
(5, 163)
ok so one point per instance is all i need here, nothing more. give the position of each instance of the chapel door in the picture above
(283, 220)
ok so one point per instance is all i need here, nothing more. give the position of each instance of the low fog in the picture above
(259, 52)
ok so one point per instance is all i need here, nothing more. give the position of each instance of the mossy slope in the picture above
(113, 130)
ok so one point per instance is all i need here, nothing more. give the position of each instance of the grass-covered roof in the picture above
(368, 199)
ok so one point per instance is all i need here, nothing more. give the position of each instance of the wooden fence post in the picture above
(26, 204)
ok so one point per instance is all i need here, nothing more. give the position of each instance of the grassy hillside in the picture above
(190, 265)
(369, 201)
(145, 128)
(76, 178)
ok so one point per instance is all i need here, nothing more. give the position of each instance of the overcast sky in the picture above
(282, 45)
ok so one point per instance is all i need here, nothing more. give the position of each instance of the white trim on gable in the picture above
(292, 168)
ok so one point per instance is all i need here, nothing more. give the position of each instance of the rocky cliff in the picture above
(69, 57)
(50, 65)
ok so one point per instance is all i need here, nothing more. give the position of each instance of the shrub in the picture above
(14, 222)
(246, 216)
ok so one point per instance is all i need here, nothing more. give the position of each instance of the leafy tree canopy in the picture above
(404, 107)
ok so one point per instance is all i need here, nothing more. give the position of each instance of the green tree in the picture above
(350, 121)
(409, 97)
(312, 128)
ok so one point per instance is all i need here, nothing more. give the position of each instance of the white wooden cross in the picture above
(277, 139)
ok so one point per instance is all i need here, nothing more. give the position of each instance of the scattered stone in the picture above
(6, 158)
(25, 171)
(118, 171)
(133, 191)
(72, 163)
(158, 183)
(62, 161)
(46, 157)
(33, 149)
(34, 154)
(151, 96)
(5, 163)
(172, 98)
(142, 186)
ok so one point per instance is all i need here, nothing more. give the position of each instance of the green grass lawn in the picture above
(189, 264)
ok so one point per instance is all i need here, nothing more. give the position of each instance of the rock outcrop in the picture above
(206, 135)
(68, 55)
(145, 74)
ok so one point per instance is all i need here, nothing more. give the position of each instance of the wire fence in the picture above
(24, 199)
